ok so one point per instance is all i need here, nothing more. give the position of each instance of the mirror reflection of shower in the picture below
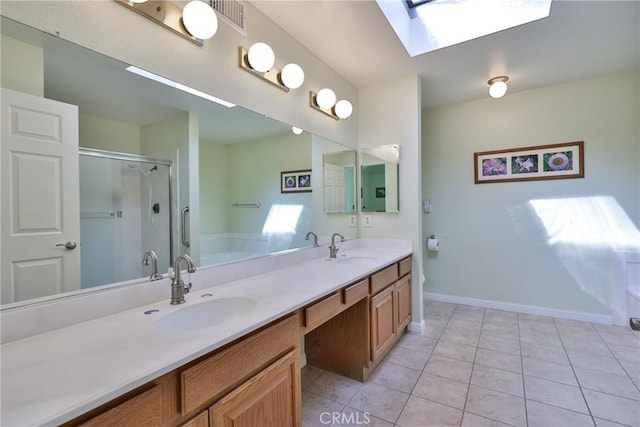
(149, 185)
(125, 210)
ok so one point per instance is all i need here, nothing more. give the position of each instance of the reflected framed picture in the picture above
(295, 181)
(555, 161)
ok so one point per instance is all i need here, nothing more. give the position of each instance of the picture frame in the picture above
(298, 181)
(540, 162)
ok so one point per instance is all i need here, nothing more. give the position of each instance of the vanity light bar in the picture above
(272, 75)
(179, 86)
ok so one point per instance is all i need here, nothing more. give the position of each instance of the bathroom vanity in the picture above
(131, 368)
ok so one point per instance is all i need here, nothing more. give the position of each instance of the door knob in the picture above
(69, 245)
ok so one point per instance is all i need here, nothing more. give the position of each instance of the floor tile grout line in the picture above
(577, 380)
(422, 370)
(524, 386)
(475, 355)
(617, 359)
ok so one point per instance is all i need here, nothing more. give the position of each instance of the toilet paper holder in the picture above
(431, 237)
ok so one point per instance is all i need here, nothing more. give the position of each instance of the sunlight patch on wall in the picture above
(282, 219)
(587, 221)
(586, 233)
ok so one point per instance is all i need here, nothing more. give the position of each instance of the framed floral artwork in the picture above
(555, 161)
(295, 181)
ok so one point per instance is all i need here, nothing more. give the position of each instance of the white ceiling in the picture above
(580, 39)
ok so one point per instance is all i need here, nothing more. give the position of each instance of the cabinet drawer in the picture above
(383, 278)
(404, 266)
(320, 312)
(143, 409)
(214, 375)
(355, 293)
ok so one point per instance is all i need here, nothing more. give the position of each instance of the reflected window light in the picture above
(282, 219)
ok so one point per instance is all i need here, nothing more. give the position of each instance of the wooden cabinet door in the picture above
(270, 398)
(202, 420)
(383, 322)
(403, 302)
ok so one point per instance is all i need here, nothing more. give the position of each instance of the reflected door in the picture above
(40, 226)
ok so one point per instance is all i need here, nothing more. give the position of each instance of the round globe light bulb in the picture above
(296, 130)
(497, 89)
(292, 76)
(261, 57)
(343, 109)
(325, 98)
(200, 19)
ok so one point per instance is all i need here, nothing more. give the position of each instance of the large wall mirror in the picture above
(379, 171)
(167, 171)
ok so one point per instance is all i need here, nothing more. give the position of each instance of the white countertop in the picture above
(53, 377)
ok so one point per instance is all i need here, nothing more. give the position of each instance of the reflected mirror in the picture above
(176, 173)
(379, 171)
(339, 181)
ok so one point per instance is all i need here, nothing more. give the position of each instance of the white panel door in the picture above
(40, 211)
(334, 197)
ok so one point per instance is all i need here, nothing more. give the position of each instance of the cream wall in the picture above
(214, 188)
(105, 134)
(22, 66)
(541, 243)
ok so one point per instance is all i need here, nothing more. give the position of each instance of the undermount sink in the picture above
(205, 314)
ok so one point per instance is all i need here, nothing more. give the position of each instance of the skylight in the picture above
(426, 25)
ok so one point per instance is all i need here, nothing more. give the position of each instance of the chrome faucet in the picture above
(178, 288)
(315, 238)
(151, 255)
(333, 250)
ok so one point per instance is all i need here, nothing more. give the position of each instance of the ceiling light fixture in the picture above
(326, 98)
(261, 57)
(200, 19)
(498, 86)
(196, 22)
(292, 76)
(325, 102)
(259, 60)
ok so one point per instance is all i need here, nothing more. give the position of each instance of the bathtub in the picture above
(223, 248)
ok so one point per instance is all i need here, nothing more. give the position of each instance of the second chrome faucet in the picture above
(178, 288)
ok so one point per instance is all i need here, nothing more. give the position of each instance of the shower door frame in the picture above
(114, 155)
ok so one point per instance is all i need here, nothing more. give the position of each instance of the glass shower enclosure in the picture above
(125, 210)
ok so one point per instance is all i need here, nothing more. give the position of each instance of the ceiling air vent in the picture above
(234, 12)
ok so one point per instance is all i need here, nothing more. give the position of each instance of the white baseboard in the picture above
(416, 327)
(521, 308)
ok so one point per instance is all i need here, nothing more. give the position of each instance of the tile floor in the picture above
(483, 367)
